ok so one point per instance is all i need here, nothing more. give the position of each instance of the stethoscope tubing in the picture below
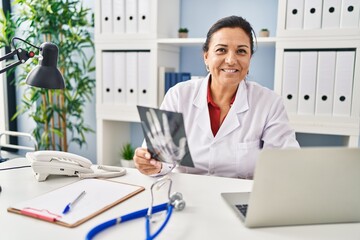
(134, 215)
(168, 215)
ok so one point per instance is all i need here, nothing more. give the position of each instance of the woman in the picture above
(228, 120)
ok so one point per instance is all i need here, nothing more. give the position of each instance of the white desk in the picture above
(206, 215)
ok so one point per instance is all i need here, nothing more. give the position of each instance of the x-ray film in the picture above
(165, 136)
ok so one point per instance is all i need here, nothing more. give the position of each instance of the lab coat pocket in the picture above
(246, 156)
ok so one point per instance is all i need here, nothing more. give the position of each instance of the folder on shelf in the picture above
(144, 76)
(331, 14)
(131, 11)
(144, 16)
(312, 14)
(119, 16)
(307, 82)
(119, 78)
(290, 81)
(294, 14)
(350, 13)
(325, 83)
(106, 16)
(344, 75)
(108, 77)
(131, 59)
(49, 206)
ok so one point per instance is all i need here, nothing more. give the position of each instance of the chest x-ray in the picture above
(165, 136)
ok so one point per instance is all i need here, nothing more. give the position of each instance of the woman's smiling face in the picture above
(228, 56)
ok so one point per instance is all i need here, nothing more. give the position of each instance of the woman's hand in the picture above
(144, 163)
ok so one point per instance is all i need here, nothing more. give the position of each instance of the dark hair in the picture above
(231, 22)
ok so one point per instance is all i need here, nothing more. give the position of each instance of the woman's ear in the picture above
(205, 55)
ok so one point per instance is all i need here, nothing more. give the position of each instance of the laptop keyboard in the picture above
(242, 208)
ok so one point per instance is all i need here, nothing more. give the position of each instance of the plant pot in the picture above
(264, 34)
(127, 163)
(183, 34)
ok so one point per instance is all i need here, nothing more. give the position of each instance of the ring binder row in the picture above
(126, 77)
(318, 82)
(322, 14)
(125, 16)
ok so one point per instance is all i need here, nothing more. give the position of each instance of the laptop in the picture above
(301, 186)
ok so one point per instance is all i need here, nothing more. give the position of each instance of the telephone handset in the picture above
(47, 162)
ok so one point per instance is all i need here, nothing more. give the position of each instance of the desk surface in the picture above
(206, 215)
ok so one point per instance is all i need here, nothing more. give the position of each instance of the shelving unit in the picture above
(334, 39)
(114, 119)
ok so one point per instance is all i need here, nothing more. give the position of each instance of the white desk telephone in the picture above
(45, 163)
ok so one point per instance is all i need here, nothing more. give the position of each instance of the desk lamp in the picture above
(45, 74)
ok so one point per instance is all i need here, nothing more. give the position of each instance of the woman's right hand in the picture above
(144, 163)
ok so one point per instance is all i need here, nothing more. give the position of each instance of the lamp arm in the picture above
(22, 55)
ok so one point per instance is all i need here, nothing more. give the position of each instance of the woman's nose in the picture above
(230, 58)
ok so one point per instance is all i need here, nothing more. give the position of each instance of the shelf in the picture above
(199, 41)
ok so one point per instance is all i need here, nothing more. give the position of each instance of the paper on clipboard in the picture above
(49, 206)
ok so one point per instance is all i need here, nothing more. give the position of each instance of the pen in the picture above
(71, 205)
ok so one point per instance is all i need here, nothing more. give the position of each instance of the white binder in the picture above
(144, 78)
(131, 12)
(131, 77)
(312, 14)
(344, 75)
(325, 83)
(350, 13)
(144, 16)
(119, 78)
(108, 77)
(119, 16)
(294, 14)
(307, 82)
(106, 16)
(291, 66)
(331, 14)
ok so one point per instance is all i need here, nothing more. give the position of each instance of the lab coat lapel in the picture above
(239, 106)
(202, 116)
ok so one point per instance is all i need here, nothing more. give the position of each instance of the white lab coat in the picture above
(256, 119)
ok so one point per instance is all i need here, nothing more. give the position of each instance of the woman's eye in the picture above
(221, 50)
(242, 51)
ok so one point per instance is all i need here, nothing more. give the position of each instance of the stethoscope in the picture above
(175, 201)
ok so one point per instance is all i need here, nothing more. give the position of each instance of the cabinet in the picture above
(159, 40)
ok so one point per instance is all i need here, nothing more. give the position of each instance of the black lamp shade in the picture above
(46, 74)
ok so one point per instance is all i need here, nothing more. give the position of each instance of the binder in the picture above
(331, 14)
(131, 59)
(350, 12)
(131, 12)
(106, 16)
(144, 16)
(49, 206)
(144, 76)
(312, 14)
(344, 75)
(290, 84)
(325, 83)
(119, 16)
(294, 14)
(307, 82)
(108, 77)
(184, 76)
(119, 78)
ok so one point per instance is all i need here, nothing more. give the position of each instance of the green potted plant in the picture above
(127, 154)
(264, 32)
(55, 112)
(183, 32)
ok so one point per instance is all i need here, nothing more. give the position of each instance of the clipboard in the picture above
(100, 196)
